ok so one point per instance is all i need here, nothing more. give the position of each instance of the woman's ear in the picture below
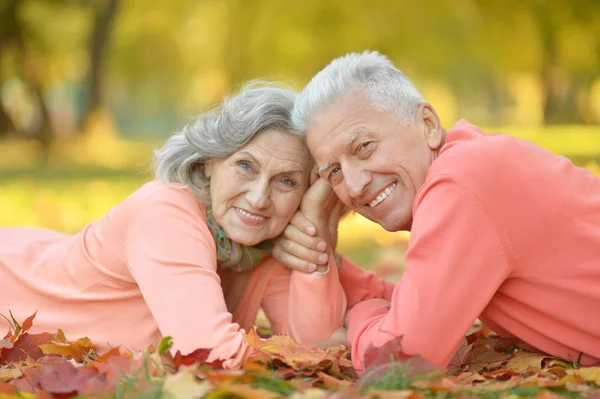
(207, 169)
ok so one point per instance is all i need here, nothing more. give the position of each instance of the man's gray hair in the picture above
(387, 88)
(221, 132)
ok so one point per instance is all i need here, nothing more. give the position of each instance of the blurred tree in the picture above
(104, 13)
(13, 36)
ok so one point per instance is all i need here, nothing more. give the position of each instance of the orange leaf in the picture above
(296, 355)
(28, 323)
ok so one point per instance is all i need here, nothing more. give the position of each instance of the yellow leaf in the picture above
(185, 385)
(589, 374)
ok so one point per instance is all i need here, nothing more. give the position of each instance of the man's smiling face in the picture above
(375, 163)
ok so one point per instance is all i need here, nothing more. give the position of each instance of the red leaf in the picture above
(197, 356)
(379, 360)
(65, 379)
(28, 323)
(25, 346)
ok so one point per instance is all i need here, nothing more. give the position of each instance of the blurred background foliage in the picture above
(89, 87)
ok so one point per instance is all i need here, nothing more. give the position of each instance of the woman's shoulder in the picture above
(157, 192)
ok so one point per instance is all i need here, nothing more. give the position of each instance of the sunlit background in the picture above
(89, 88)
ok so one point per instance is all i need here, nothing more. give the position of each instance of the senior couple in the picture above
(501, 230)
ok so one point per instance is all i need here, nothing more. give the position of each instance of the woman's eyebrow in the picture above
(252, 157)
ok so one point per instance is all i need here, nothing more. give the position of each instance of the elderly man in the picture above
(501, 229)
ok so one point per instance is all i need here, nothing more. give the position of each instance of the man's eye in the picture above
(365, 145)
(334, 171)
(288, 182)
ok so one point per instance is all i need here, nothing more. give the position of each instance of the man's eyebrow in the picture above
(347, 146)
(325, 166)
(353, 138)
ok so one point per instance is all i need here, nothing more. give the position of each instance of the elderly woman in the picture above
(186, 255)
(501, 229)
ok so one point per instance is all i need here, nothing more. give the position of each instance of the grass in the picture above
(88, 175)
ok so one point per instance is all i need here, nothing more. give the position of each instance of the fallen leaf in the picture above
(64, 378)
(296, 355)
(185, 385)
(26, 345)
(589, 374)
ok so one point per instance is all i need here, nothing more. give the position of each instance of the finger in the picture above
(316, 197)
(292, 262)
(301, 252)
(292, 233)
(314, 174)
(302, 223)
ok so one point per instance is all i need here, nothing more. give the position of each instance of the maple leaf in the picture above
(5, 343)
(288, 351)
(198, 356)
(62, 378)
(26, 346)
(60, 345)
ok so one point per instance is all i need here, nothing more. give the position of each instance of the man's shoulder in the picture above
(470, 152)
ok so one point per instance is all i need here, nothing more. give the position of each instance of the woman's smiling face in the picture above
(255, 191)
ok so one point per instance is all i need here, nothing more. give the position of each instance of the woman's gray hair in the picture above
(388, 89)
(221, 132)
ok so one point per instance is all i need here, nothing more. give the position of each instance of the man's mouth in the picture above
(383, 195)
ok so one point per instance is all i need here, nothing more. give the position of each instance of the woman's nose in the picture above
(259, 195)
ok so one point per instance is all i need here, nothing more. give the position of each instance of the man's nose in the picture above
(259, 194)
(357, 180)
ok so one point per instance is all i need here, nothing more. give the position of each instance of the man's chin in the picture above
(388, 223)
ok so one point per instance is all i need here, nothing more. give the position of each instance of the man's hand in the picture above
(311, 236)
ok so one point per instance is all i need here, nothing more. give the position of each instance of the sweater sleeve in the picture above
(317, 304)
(276, 298)
(456, 262)
(360, 285)
(172, 257)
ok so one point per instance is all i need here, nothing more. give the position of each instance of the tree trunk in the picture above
(98, 43)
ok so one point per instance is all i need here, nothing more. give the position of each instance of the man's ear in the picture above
(432, 127)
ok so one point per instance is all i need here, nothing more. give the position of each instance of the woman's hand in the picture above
(311, 236)
(339, 337)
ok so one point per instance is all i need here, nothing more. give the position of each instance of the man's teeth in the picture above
(382, 196)
(251, 216)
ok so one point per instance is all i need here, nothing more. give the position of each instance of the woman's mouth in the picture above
(250, 218)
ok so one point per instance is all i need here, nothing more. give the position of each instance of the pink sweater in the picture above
(502, 230)
(147, 270)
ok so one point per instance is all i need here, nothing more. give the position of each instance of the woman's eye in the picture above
(365, 145)
(244, 165)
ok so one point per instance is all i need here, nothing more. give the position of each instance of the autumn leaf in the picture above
(185, 385)
(391, 353)
(26, 346)
(28, 323)
(60, 345)
(589, 374)
(296, 355)
(65, 379)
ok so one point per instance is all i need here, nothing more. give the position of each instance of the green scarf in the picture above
(236, 256)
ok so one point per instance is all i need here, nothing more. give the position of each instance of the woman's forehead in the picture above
(278, 149)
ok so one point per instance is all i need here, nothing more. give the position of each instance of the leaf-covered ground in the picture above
(48, 365)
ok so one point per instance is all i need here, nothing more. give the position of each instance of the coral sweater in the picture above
(147, 270)
(502, 230)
